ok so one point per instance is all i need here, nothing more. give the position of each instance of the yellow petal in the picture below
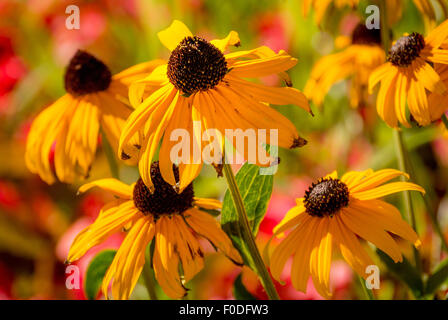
(113, 217)
(232, 39)
(386, 189)
(114, 186)
(205, 225)
(174, 34)
(366, 229)
(128, 262)
(375, 179)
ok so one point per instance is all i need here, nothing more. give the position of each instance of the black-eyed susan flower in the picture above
(356, 62)
(408, 75)
(95, 99)
(335, 214)
(202, 84)
(174, 221)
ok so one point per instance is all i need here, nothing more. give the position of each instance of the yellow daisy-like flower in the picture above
(408, 75)
(356, 61)
(334, 214)
(202, 84)
(95, 99)
(172, 220)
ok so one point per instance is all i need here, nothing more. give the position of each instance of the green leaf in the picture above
(239, 290)
(256, 190)
(96, 271)
(405, 272)
(438, 277)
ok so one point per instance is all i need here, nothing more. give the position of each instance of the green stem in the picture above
(110, 155)
(403, 166)
(148, 277)
(247, 235)
(367, 292)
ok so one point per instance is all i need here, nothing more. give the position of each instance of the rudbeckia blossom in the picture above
(202, 84)
(407, 76)
(94, 100)
(335, 214)
(356, 62)
(174, 221)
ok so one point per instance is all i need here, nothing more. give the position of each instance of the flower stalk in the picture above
(247, 235)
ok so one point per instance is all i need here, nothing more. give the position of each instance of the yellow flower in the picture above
(94, 99)
(407, 75)
(172, 220)
(334, 214)
(202, 84)
(356, 61)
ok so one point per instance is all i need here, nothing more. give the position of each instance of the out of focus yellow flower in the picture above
(95, 99)
(355, 62)
(335, 213)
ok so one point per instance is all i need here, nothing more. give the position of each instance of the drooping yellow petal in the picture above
(157, 103)
(363, 227)
(300, 268)
(129, 259)
(320, 257)
(114, 186)
(427, 76)
(232, 39)
(378, 74)
(272, 95)
(206, 226)
(174, 34)
(188, 247)
(152, 82)
(113, 217)
(47, 128)
(208, 204)
(166, 261)
(388, 217)
(350, 247)
(401, 83)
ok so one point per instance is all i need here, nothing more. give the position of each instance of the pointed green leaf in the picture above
(96, 272)
(256, 190)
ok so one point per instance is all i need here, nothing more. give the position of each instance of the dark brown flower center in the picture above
(86, 74)
(406, 49)
(164, 199)
(362, 35)
(196, 65)
(326, 197)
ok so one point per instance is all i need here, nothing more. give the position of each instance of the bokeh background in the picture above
(38, 222)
